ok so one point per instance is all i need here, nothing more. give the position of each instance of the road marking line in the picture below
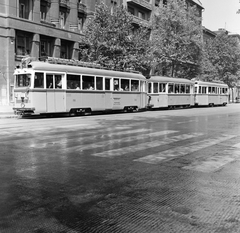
(127, 139)
(182, 150)
(214, 163)
(236, 145)
(146, 145)
(83, 138)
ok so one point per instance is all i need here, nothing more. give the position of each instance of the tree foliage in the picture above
(221, 59)
(177, 39)
(109, 40)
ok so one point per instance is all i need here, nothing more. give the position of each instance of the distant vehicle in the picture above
(69, 87)
(211, 93)
(166, 92)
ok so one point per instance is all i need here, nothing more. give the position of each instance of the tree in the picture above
(109, 40)
(177, 39)
(223, 55)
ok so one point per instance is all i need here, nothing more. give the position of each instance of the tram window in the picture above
(116, 84)
(188, 89)
(182, 88)
(88, 82)
(134, 85)
(58, 81)
(170, 88)
(49, 79)
(38, 80)
(204, 90)
(199, 89)
(209, 89)
(213, 90)
(23, 80)
(99, 83)
(155, 87)
(177, 87)
(73, 81)
(162, 87)
(195, 89)
(149, 88)
(107, 84)
(125, 84)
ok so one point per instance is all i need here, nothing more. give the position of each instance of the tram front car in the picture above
(23, 94)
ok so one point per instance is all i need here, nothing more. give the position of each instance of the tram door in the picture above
(50, 100)
(59, 94)
(55, 96)
(143, 102)
(108, 94)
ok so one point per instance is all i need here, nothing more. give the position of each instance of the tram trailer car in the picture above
(45, 88)
(211, 93)
(166, 92)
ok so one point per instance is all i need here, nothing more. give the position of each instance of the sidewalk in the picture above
(7, 112)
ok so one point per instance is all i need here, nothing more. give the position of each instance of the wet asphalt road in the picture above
(160, 171)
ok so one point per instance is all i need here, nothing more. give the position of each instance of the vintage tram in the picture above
(60, 86)
(211, 93)
(166, 92)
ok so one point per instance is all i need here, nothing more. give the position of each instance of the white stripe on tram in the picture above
(182, 150)
(146, 145)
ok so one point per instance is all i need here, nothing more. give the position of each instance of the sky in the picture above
(221, 14)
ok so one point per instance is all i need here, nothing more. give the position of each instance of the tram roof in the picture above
(45, 66)
(211, 84)
(170, 80)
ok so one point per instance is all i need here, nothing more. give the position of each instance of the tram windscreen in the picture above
(23, 80)
(38, 80)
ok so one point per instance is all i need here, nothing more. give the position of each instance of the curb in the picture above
(7, 115)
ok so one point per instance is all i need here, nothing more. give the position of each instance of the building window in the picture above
(131, 10)
(66, 49)
(24, 9)
(46, 46)
(113, 5)
(80, 22)
(141, 15)
(23, 43)
(43, 10)
(62, 19)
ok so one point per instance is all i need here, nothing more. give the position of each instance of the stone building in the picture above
(51, 28)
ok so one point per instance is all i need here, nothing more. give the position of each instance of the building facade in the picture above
(39, 28)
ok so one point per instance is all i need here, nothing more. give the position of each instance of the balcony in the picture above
(47, 2)
(82, 8)
(65, 4)
(140, 21)
(143, 3)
